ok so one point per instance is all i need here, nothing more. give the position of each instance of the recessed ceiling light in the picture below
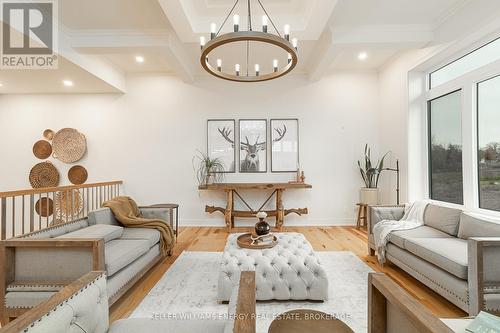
(139, 59)
(1, 84)
(362, 56)
(68, 83)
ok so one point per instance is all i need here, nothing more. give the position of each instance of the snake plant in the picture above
(369, 172)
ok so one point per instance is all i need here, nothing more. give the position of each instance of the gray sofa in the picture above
(47, 260)
(456, 254)
(82, 306)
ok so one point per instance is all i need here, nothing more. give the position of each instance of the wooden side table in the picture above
(362, 215)
(308, 321)
(171, 207)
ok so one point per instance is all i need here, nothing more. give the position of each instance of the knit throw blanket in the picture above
(413, 218)
(127, 213)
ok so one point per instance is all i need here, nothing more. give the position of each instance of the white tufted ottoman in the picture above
(289, 271)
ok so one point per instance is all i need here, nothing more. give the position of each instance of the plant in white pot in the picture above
(371, 174)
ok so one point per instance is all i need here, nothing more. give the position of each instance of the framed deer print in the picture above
(284, 145)
(253, 145)
(220, 142)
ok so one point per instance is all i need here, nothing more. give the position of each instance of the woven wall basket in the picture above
(69, 145)
(77, 175)
(68, 204)
(48, 134)
(44, 174)
(42, 149)
(44, 207)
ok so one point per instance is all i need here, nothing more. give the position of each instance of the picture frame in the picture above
(285, 145)
(221, 136)
(253, 145)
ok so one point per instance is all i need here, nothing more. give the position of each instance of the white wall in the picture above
(394, 112)
(148, 136)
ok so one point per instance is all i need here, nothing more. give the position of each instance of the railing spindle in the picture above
(23, 214)
(32, 213)
(3, 218)
(13, 216)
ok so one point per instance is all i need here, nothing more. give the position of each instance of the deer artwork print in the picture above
(251, 162)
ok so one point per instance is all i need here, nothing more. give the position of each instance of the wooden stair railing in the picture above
(25, 211)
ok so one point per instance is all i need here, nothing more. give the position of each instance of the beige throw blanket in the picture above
(127, 213)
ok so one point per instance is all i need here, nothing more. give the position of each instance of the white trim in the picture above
(418, 117)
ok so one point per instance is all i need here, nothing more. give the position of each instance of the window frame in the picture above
(468, 84)
(429, 147)
(478, 177)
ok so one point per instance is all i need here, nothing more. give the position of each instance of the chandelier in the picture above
(250, 35)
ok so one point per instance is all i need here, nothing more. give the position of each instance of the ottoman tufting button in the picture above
(273, 288)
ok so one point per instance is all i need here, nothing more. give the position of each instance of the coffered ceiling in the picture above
(100, 39)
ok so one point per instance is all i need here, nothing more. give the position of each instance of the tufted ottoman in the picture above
(289, 271)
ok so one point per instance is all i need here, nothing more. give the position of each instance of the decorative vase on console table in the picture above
(262, 227)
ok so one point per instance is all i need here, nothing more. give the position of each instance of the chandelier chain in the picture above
(269, 17)
(249, 17)
(227, 17)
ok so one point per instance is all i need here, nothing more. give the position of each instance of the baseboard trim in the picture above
(338, 222)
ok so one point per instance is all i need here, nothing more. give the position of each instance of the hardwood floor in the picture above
(321, 238)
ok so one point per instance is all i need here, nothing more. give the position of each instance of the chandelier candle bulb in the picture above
(202, 41)
(264, 23)
(287, 32)
(213, 30)
(236, 21)
(219, 65)
(257, 69)
(295, 42)
(289, 58)
(275, 65)
(237, 69)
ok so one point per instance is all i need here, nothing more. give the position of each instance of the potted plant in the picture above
(207, 169)
(371, 175)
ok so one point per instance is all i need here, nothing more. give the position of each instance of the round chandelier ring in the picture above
(250, 36)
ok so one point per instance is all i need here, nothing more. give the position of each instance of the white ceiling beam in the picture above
(95, 66)
(166, 42)
(324, 53)
(330, 43)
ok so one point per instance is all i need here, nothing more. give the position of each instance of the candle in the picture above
(236, 21)
(219, 65)
(202, 41)
(287, 31)
(237, 69)
(213, 30)
(275, 65)
(264, 23)
(257, 69)
(295, 43)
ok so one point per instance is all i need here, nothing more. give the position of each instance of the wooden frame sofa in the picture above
(393, 310)
(82, 306)
(451, 253)
(37, 265)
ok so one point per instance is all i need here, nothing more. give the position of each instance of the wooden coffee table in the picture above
(308, 321)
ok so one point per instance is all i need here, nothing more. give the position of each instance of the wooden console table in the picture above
(232, 189)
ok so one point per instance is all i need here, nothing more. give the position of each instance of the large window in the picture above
(472, 61)
(445, 148)
(488, 113)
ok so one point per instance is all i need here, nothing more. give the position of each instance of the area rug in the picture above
(188, 290)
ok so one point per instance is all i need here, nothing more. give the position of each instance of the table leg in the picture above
(280, 211)
(229, 210)
(358, 220)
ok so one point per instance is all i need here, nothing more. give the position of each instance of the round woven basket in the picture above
(68, 204)
(44, 174)
(44, 207)
(77, 175)
(69, 145)
(48, 134)
(42, 149)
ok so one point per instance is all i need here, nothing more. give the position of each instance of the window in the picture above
(445, 148)
(472, 61)
(488, 121)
